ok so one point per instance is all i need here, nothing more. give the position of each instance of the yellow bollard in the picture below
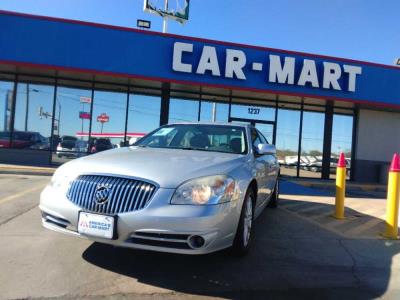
(393, 195)
(340, 187)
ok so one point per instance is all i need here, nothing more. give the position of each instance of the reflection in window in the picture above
(342, 135)
(71, 124)
(183, 110)
(143, 116)
(312, 144)
(33, 115)
(6, 94)
(287, 140)
(209, 109)
(108, 121)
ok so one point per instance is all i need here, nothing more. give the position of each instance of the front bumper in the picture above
(158, 227)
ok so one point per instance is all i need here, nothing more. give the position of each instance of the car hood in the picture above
(166, 167)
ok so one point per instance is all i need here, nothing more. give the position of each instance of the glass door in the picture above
(265, 127)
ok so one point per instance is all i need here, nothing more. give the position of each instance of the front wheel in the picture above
(273, 202)
(243, 236)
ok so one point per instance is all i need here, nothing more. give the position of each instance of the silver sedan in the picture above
(189, 188)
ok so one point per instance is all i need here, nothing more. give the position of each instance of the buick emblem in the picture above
(101, 194)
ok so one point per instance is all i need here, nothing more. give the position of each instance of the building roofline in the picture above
(148, 32)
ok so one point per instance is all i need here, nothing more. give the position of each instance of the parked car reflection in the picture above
(99, 144)
(66, 146)
(24, 140)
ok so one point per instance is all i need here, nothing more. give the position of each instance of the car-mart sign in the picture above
(282, 70)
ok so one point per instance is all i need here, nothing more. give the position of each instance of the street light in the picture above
(144, 24)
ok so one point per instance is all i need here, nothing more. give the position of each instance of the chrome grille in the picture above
(124, 195)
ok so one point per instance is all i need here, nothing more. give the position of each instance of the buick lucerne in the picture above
(190, 188)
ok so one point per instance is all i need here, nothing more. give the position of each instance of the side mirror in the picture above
(263, 149)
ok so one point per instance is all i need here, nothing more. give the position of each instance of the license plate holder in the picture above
(97, 225)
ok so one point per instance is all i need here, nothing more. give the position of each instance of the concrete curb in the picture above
(26, 170)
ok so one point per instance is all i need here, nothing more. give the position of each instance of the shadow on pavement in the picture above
(290, 259)
(291, 188)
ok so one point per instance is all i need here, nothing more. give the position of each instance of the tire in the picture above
(273, 202)
(242, 242)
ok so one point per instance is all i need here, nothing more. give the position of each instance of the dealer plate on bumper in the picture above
(96, 225)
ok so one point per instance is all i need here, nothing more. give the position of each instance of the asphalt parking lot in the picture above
(294, 256)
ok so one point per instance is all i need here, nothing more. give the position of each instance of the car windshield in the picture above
(216, 138)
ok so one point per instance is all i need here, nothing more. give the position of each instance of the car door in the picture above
(260, 168)
(272, 166)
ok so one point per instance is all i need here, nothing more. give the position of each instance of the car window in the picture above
(103, 142)
(218, 138)
(4, 135)
(68, 138)
(255, 138)
(22, 136)
(262, 137)
(161, 139)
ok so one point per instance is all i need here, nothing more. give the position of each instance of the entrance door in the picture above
(265, 127)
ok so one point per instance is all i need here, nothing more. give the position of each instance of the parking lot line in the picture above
(12, 197)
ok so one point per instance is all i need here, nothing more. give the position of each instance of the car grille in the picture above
(123, 194)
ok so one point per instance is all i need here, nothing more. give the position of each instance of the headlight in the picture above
(61, 181)
(205, 191)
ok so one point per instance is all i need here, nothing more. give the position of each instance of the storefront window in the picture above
(312, 144)
(143, 115)
(181, 110)
(6, 94)
(342, 133)
(108, 121)
(71, 124)
(208, 109)
(33, 117)
(287, 140)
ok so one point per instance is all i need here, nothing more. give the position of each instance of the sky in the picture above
(357, 29)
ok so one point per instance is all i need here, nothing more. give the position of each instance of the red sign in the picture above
(84, 115)
(103, 118)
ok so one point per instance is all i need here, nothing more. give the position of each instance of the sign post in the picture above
(103, 118)
(179, 12)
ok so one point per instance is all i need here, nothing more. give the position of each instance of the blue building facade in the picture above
(67, 85)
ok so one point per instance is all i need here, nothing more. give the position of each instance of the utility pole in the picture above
(27, 107)
(165, 19)
(214, 112)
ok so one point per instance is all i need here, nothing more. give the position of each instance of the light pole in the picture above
(27, 105)
(214, 112)
(165, 19)
(59, 116)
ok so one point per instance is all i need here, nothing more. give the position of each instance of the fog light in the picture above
(196, 241)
